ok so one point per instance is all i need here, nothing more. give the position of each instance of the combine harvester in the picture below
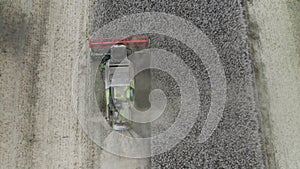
(119, 87)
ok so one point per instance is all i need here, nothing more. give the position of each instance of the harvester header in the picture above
(130, 42)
